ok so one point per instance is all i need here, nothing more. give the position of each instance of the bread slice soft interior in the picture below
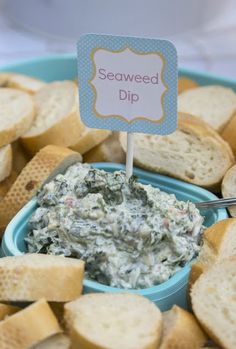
(58, 341)
(219, 242)
(89, 139)
(228, 187)
(45, 165)
(5, 162)
(29, 277)
(214, 302)
(57, 119)
(28, 327)
(109, 150)
(214, 104)
(194, 153)
(114, 321)
(24, 82)
(16, 114)
(181, 330)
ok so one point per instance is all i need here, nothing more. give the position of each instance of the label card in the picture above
(128, 83)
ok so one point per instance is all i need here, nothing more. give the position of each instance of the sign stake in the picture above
(129, 154)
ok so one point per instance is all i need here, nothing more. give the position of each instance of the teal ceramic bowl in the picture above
(164, 295)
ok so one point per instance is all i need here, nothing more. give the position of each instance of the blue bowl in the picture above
(164, 295)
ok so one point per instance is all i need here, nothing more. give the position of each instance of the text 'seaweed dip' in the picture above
(129, 234)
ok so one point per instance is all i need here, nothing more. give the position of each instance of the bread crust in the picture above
(32, 276)
(64, 130)
(228, 187)
(197, 128)
(185, 83)
(76, 311)
(23, 122)
(25, 83)
(48, 162)
(7, 309)
(209, 327)
(109, 150)
(213, 237)
(28, 326)
(5, 162)
(63, 133)
(89, 139)
(184, 332)
(229, 133)
(215, 104)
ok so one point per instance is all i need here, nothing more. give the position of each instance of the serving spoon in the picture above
(219, 203)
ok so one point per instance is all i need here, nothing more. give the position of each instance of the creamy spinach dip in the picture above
(130, 235)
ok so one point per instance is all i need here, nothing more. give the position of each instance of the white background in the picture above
(212, 49)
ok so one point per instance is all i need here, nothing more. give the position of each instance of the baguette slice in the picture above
(6, 184)
(48, 162)
(181, 330)
(58, 341)
(30, 277)
(228, 187)
(24, 83)
(214, 104)
(89, 139)
(16, 114)
(185, 84)
(7, 310)
(28, 326)
(5, 162)
(194, 153)
(219, 242)
(4, 78)
(214, 302)
(113, 321)
(108, 151)
(229, 133)
(57, 118)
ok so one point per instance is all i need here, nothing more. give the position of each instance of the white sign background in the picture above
(138, 99)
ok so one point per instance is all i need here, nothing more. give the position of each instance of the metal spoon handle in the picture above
(217, 203)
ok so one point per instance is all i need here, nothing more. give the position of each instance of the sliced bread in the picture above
(89, 139)
(228, 187)
(113, 321)
(214, 104)
(57, 118)
(47, 163)
(108, 151)
(28, 326)
(16, 114)
(6, 184)
(4, 77)
(219, 242)
(181, 330)
(30, 277)
(5, 162)
(185, 83)
(229, 133)
(7, 310)
(24, 82)
(58, 341)
(194, 153)
(214, 302)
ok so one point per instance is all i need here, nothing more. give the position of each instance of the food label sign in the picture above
(127, 83)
